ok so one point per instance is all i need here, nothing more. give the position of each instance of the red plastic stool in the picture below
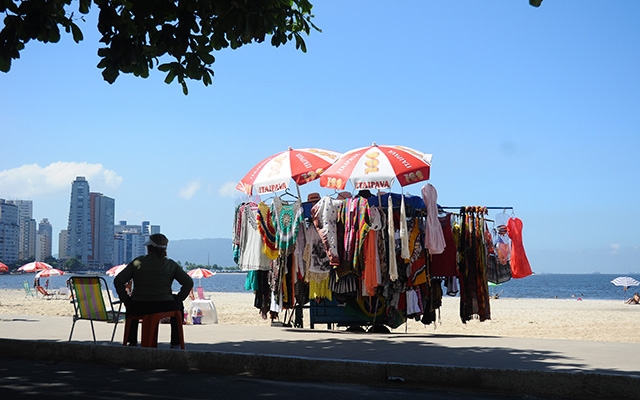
(127, 326)
(150, 326)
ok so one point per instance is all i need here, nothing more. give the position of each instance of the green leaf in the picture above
(84, 6)
(77, 33)
(164, 67)
(5, 64)
(110, 74)
(207, 58)
(170, 77)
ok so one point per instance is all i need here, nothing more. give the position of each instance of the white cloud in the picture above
(32, 180)
(229, 190)
(614, 248)
(189, 190)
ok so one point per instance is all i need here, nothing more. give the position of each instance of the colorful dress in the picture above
(519, 263)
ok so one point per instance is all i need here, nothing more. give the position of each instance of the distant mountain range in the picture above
(202, 251)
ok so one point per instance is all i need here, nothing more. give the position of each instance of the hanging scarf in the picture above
(393, 266)
(405, 253)
(434, 237)
(474, 297)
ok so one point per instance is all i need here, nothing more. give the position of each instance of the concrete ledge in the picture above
(521, 382)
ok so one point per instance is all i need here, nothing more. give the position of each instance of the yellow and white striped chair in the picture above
(89, 302)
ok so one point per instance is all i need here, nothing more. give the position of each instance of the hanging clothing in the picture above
(520, 267)
(251, 256)
(318, 267)
(474, 296)
(445, 263)
(496, 272)
(434, 239)
(393, 266)
(262, 297)
(356, 227)
(267, 231)
(287, 219)
(325, 217)
(371, 264)
(405, 253)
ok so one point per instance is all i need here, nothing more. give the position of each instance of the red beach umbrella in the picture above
(377, 167)
(34, 266)
(45, 273)
(115, 270)
(3, 268)
(200, 273)
(275, 172)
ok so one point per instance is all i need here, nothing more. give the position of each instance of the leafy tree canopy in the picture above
(137, 33)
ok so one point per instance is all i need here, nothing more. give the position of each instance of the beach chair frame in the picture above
(27, 289)
(90, 302)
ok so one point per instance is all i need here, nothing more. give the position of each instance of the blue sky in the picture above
(535, 108)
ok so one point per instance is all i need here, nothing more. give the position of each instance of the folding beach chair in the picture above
(27, 289)
(87, 296)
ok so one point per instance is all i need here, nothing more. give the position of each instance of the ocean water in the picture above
(544, 286)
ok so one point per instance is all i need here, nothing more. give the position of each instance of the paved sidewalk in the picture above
(540, 367)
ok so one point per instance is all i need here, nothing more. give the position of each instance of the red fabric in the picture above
(445, 264)
(520, 267)
(371, 263)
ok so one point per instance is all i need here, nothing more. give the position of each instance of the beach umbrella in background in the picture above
(115, 270)
(34, 266)
(626, 282)
(274, 173)
(377, 167)
(45, 273)
(3, 268)
(200, 273)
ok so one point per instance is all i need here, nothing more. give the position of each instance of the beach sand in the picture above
(586, 320)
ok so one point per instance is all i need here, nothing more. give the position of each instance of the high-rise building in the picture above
(130, 239)
(102, 231)
(9, 232)
(79, 227)
(27, 242)
(44, 243)
(63, 247)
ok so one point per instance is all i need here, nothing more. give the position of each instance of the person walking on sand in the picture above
(152, 277)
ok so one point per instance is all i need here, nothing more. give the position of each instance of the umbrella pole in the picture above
(298, 190)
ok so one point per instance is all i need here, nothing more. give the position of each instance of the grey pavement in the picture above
(531, 367)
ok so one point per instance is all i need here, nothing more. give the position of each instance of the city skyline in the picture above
(91, 236)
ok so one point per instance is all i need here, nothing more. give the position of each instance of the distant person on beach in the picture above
(152, 277)
(634, 300)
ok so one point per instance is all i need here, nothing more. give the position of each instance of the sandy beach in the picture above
(587, 320)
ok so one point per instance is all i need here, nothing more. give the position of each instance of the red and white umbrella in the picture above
(115, 270)
(200, 273)
(377, 167)
(275, 173)
(3, 268)
(45, 273)
(34, 266)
